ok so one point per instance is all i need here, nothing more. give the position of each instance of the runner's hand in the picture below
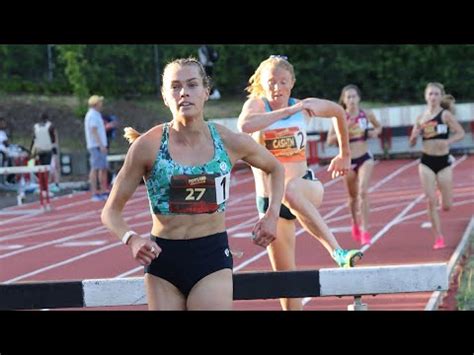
(339, 166)
(144, 250)
(264, 231)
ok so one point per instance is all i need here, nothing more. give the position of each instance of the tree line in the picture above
(391, 73)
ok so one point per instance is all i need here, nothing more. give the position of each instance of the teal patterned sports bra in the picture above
(179, 189)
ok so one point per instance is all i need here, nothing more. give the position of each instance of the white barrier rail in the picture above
(358, 281)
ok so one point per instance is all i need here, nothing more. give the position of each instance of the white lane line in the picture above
(420, 213)
(94, 231)
(436, 297)
(10, 246)
(82, 243)
(402, 214)
(393, 222)
(43, 227)
(104, 248)
(252, 259)
(335, 210)
(68, 261)
(298, 232)
(129, 272)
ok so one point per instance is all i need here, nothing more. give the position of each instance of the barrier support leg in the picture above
(357, 305)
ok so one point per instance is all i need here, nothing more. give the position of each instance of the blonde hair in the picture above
(343, 92)
(255, 88)
(447, 100)
(131, 134)
(181, 62)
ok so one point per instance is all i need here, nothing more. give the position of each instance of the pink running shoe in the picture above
(439, 244)
(365, 238)
(356, 232)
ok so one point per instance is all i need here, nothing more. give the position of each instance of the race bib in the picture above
(429, 129)
(363, 124)
(357, 129)
(286, 142)
(432, 129)
(192, 194)
(442, 129)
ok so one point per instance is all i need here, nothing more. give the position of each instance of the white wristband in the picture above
(126, 237)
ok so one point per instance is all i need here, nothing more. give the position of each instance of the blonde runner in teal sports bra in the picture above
(186, 165)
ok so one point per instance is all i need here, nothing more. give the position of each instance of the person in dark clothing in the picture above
(208, 56)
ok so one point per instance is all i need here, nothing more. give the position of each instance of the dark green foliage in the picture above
(386, 73)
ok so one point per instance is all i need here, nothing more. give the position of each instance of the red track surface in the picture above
(70, 243)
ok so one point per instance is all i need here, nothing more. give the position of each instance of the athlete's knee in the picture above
(363, 194)
(353, 199)
(291, 196)
(318, 193)
(432, 202)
